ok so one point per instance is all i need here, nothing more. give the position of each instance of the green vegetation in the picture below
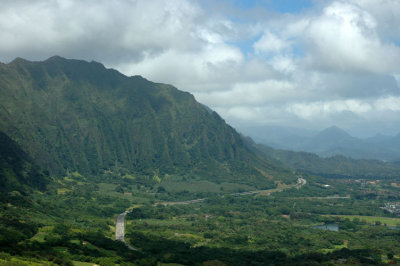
(374, 219)
(18, 172)
(78, 225)
(79, 116)
(83, 144)
(259, 230)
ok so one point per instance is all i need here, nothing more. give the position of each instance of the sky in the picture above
(304, 64)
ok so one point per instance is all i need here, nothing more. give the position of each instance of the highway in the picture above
(120, 229)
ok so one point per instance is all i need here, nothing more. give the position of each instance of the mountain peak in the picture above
(335, 129)
(334, 132)
(19, 60)
(60, 59)
(55, 58)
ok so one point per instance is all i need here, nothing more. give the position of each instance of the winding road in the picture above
(120, 225)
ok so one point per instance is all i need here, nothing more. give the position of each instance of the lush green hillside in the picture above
(17, 171)
(19, 178)
(75, 115)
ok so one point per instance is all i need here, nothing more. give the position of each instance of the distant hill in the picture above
(388, 143)
(335, 141)
(337, 166)
(76, 115)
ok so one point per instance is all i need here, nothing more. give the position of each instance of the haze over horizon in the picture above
(306, 64)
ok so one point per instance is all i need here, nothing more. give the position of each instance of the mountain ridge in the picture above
(75, 115)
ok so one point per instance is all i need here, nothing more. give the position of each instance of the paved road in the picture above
(179, 202)
(120, 229)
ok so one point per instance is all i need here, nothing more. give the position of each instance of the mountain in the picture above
(335, 141)
(78, 115)
(333, 134)
(378, 138)
(329, 141)
(335, 166)
(390, 143)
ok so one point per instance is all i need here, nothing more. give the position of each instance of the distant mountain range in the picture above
(333, 141)
(337, 166)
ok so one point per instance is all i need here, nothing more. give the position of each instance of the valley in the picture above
(101, 168)
(120, 223)
(255, 222)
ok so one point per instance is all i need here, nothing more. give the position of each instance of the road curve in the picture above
(120, 229)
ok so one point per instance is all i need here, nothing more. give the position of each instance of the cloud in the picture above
(386, 13)
(210, 68)
(335, 62)
(270, 43)
(388, 104)
(111, 31)
(345, 38)
(251, 94)
(310, 111)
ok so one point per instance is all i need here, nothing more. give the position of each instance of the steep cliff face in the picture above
(72, 114)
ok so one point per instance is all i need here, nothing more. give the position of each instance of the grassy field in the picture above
(337, 247)
(372, 219)
(42, 233)
(7, 259)
(132, 195)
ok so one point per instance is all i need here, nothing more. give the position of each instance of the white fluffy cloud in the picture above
(250, 94)
(104, 30)
(270, 43)
(335, 63)
(345, 38)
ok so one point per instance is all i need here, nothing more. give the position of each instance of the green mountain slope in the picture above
(17, 171)
(71, 114)
(19, 178)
